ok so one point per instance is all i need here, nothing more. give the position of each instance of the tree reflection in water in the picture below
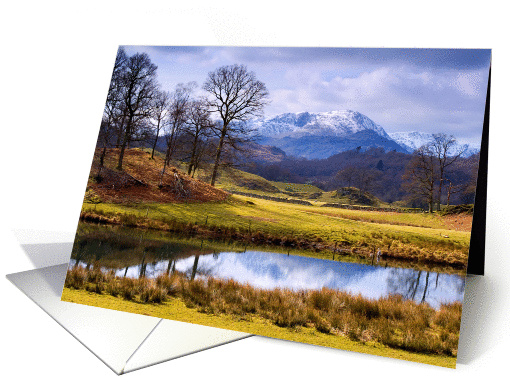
(416, 285)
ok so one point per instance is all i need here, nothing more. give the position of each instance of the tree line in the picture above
(430, 175)
(390, 176)
(211, 127)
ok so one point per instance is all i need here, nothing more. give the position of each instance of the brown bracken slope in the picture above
(139, 181)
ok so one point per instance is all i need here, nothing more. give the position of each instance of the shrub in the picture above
(98, 287)
(129, 220)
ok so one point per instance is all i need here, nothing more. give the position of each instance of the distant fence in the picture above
(368, 208)
(273, 198)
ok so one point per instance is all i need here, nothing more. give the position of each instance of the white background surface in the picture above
(55, 67)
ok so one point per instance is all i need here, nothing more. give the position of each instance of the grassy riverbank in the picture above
(388, 326)
(400, 236)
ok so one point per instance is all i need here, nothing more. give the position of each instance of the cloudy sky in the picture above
(428, 90)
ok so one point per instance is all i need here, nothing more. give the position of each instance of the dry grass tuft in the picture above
(392, 321)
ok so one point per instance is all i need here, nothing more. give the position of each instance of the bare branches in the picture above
(139, 88)
(178, 113)
(160, 115)
(237, 96)
(198, 129)
(426, 173)
(420, 176)
(441, 148)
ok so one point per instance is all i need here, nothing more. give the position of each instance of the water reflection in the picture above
(274, 270)
(134, 253)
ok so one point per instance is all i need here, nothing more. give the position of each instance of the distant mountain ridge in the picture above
(334, 123)
(320, 135)
(322, 147)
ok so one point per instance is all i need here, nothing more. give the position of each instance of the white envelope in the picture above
(123, 341)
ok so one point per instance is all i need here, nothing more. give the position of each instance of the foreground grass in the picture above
(388, 326)
(403, 236)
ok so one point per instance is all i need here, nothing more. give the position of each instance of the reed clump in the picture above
(392, 320)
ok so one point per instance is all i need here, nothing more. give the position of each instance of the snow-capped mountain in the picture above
(334, 123)
(414, 140)
(320, 135)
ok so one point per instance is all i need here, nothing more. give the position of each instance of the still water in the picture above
(275, 270)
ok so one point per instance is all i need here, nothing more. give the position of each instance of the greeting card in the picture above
(331, 196)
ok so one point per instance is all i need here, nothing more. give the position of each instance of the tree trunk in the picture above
(119, 132)
(193, 154)
(143, 265)
(154, 146)
(440, 189)
(439, 192)
(416, 285)
(218, 155)
(164, 166)
(426, 287)
(195, 266)
(101, 162)
(125, 141)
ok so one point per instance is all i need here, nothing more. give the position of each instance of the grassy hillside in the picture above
(141, 181)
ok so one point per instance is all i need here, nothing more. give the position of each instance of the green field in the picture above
(403, 235)
(295, 187)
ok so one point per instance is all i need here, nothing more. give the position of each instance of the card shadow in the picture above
(40, 254)
(478, 296)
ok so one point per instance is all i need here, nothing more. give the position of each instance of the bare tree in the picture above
(160, 114)
(452, 189)
(364, 179)
(420, 175)
(237, 96)
(139, 83)
(178, 114)
(112, 115)
(346, 175)
(441, 146)
(198, 129)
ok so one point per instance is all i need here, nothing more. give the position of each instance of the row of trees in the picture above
(429, 176)
(375, 171)
(137, 109)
